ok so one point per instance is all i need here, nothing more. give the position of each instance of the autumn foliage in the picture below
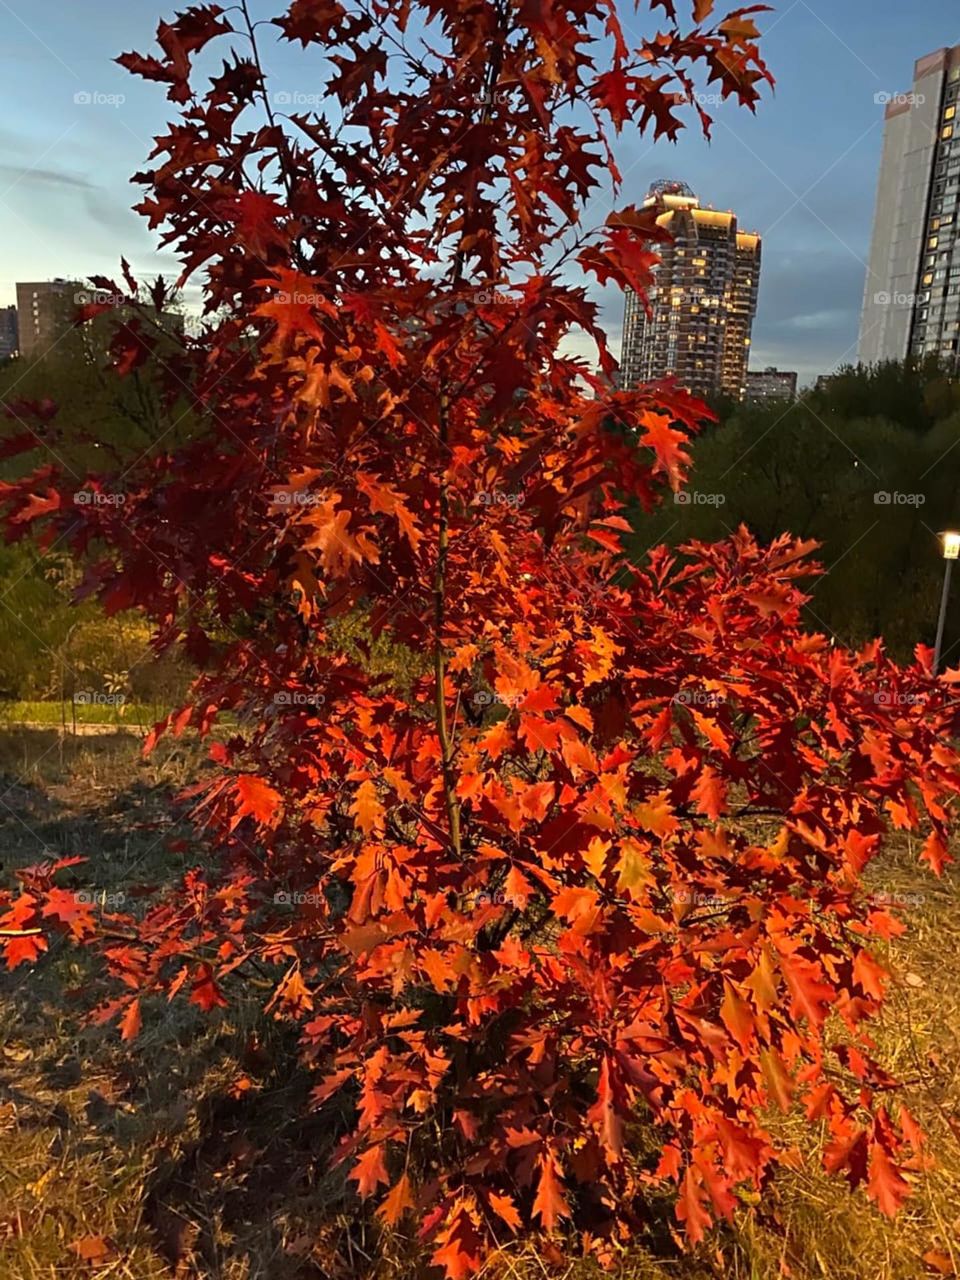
(572, 901)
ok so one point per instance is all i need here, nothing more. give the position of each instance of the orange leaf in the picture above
(92, 1248)
(504, 1207)
(737, 1017)
(884, 1184)
(131, 1023)
(691, 1209)
(397, 1201)
(258, 800)
(550, 1204)
(367, 809)
(369, 1170)
(710, 793)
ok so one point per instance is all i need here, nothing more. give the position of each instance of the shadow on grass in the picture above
(193, 1150)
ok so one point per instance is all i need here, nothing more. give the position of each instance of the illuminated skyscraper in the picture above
(911, 303)
(703, 302)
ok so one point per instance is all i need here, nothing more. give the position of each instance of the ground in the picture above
(144, 1161)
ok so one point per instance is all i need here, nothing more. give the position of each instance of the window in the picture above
(950, 113)
(947, 132)
(933, 242)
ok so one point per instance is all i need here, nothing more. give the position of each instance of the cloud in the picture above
(51, 177)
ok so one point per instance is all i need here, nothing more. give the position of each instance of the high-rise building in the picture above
(771, 384)
(703, 300)
(9, 340)
(44, 312)
(911, 303)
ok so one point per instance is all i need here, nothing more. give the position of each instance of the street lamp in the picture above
(950, 545)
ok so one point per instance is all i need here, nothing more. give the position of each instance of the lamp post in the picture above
(950, 545)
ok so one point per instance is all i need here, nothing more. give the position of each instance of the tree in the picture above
(915, 393)
(511, 899)
(872, 493)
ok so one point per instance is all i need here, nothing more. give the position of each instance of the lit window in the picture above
(947, 132)
(928, 278)
(950, 113)
(933, 242)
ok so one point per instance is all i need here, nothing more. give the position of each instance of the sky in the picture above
(802, 171)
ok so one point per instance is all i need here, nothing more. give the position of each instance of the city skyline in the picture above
(803, 172)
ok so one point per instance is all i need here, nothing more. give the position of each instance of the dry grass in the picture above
(148, 1147)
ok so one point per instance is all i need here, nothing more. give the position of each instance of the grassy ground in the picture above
(147, 1152)
(131, 714)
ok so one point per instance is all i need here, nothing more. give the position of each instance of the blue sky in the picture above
(802, 172)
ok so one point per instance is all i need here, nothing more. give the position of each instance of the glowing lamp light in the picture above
(950, 547)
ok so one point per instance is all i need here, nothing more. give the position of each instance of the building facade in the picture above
(768, 384)
(702, 304)
(911, 303)
(44, 312)
(9, 336)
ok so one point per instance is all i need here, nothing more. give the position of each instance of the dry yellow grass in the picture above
(146, 1147)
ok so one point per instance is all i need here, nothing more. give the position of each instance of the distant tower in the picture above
(911, 302)
(703, 301)
(44, 312)
(9, 340)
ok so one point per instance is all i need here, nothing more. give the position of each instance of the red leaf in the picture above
(205, 993)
